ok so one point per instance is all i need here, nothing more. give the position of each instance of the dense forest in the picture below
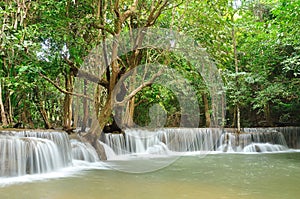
(44, 81)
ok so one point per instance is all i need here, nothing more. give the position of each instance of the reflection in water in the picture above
(259, 176)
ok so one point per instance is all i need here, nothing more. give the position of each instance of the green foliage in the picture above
(55, 36)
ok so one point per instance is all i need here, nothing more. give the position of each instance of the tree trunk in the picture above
(223, 111)
(128, 117)
(76, 112)
(238, 115)
(41, 108)
(3, 115)
(206, 110)
(98, 123)
(68, 103)
(9, 109)
(85, 108)
(238, 121)
(26, 117)
(44, 115)
(268, 115)
(93, 139)
(233, 124)
(114, 72)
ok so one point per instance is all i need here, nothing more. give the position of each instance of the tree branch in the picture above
(135, 91)
(129, 12)
(101, 27)
(92, 78)
(155, 12)
(62, 90)
(82, 74)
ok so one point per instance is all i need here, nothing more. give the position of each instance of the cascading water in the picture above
(265, 147)
(291, 135)
(110, 154)
(20, 156)
(253, 140)
(60, 139)
(83, 151)
(164, 141)
(31, 152)
(190, 139)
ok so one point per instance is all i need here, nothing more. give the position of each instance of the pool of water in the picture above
(259, 176)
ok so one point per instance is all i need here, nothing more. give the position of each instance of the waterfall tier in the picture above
(230, 142)
(83, 151)
(161, 141)
(33, 152)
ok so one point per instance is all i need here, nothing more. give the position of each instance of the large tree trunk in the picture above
(128, 117)
(95, 132)
(114, 72)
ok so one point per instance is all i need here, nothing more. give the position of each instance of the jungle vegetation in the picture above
(255, 45)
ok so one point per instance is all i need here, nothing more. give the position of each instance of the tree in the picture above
(125, 15)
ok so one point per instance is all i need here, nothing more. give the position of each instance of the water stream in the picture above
(165, 163)
(234, 176)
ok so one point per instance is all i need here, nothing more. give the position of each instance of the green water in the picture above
(258, 176)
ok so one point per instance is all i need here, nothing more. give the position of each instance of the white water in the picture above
(75, 169)
(83, 151)
(189, 140)
(27, 156)
(264, 147)
(28, 153)
(110, 154)
(20, 156)
(163, 141)
(61, 140)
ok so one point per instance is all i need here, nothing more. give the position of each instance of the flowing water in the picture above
(165, 163)
(234, 176)
(195, 139)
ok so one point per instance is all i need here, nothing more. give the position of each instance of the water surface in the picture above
(215, 176)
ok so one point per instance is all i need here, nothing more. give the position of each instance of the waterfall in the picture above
(230, 142)
(20, 156)
(61, 140)
(190, 139)
(33, 152)
(291, 135)
(110, 154)
(116, 142)
(164, 141)
(83, 151)
(264, 147)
